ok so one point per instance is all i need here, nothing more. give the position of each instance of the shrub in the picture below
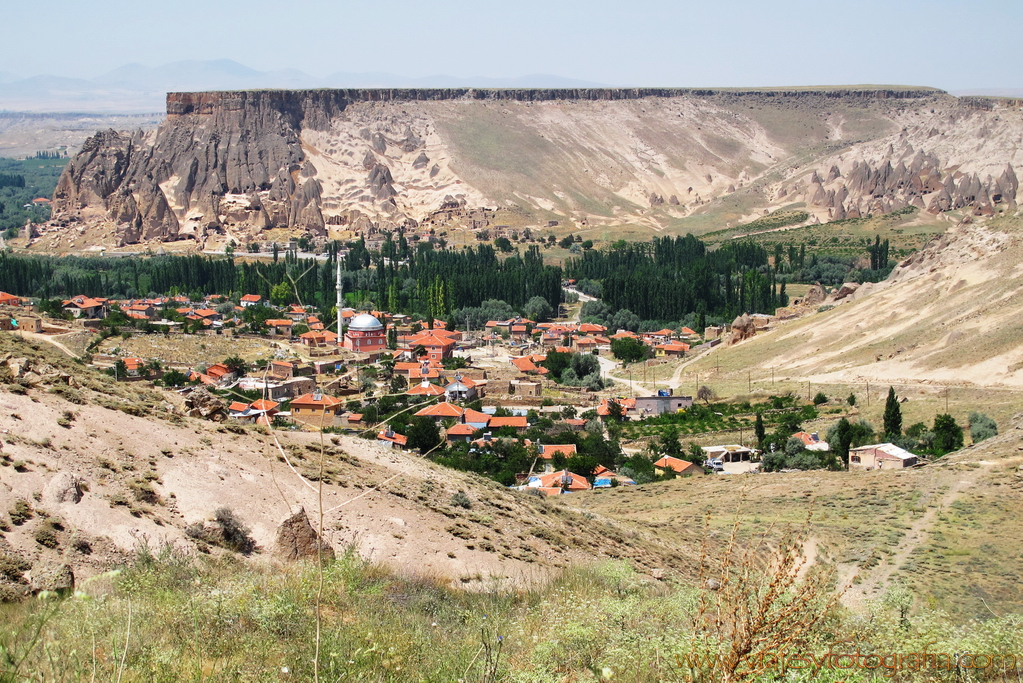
(144, 492)
(820, 398)
(81, 545)
(982, 427)
(229, 532)
(46, 534)
(20, 513)
(12, 567)
(461, 500)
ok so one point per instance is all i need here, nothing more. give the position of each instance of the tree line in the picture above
(669, 278)
(431, 283)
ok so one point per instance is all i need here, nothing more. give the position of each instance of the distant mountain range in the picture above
(138, 88)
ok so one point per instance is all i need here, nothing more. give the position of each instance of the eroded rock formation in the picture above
(233, 165)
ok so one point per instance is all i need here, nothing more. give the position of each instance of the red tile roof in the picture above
(626, 403)
(425, 389)
(393, 437)
(569, 481)
(547, 451)
(441, 410)
(310, 400)
(462, 430)
(676, 464)
(518, 421)
(475, 416)
(524, 364)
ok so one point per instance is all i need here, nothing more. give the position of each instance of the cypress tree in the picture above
(761, 432)
(892, 415)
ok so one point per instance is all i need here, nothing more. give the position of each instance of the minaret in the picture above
(340, 298)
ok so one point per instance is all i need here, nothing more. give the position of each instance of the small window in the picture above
(854, 458)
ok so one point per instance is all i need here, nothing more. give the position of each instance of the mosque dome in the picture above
(365, 323)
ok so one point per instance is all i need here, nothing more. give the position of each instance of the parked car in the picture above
(715, 464)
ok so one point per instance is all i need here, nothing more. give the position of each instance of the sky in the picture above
(950, 44)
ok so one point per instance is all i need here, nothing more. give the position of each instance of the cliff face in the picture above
(233, 165)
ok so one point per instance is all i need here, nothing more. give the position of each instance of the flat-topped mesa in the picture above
(336, 99)
(258, 166)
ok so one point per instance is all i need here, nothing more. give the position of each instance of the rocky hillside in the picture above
(235, 165)
(91, 470)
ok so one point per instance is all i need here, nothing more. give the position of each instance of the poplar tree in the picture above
(892, 415)
(760, 430)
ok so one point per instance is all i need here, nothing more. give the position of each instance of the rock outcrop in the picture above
(815, 296)
(743, 327)
(63, 488)
(201, 403)
(297, 540)
(57, 578)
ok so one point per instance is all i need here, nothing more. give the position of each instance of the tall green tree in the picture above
(892, 415)
(948, 435)
(628, 349)
(423, 434)
(760, 430)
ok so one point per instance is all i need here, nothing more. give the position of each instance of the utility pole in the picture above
(807, 390)
(749, 382)
(946, 400)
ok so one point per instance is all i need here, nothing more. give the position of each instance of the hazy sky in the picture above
(952, 44)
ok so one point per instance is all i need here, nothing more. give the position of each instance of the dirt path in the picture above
(674, 382)
(50, 340)
(877, 579)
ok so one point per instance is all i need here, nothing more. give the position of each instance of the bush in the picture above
(461, 500)
(20, 513)
(982, 427)
(236, 536)
(46, 534)
(12, 567)
(229, 532)
(820, 398)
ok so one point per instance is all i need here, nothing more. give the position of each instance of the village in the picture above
(501, 395)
